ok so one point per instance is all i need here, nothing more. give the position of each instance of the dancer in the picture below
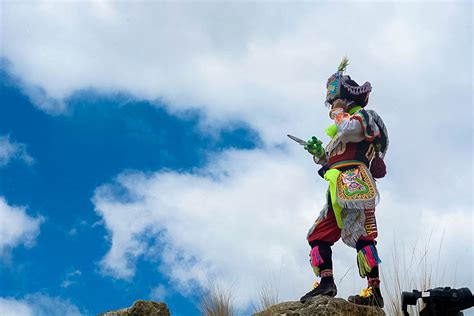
(350, 162)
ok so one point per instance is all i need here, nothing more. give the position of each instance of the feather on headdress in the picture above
(343, 65)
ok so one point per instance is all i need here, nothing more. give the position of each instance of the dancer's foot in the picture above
(326, 287)
(370, 296)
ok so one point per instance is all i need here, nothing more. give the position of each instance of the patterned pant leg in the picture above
(367, 255)
(325, 229)
(321, 237)
(370, 225)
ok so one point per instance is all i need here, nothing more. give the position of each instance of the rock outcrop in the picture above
(316, 306)
(321, 306)
(141, 308)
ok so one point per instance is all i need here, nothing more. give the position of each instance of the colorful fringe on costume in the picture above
(316, 259)
(367, 259)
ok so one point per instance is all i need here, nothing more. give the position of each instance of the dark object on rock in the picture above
(321, 306)
(439, 301)
(141, 308)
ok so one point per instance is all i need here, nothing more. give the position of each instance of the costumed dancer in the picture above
(350, 162)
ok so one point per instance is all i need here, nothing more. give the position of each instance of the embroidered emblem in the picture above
(353, 183)
(356, 188)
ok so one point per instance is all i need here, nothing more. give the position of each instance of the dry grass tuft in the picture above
(415, 272)
(218, 301)
(268, 296)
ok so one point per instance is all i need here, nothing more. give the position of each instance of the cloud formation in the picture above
(71, 278)
(243, 218)
(10, 150)
(16, 226)
(263, 63)
(232, 222)
(158, 293)
(37, 305)
(241, 222)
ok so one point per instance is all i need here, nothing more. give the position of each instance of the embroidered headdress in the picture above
(340, 86)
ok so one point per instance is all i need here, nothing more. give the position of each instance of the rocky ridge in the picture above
(321, 306)
(316, 306)
(141, 308)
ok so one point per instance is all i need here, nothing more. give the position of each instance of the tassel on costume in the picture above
(316, 259)
(367, 259)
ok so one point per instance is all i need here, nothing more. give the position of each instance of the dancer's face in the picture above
(337, 108)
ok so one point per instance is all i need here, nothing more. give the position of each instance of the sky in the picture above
(143, 148)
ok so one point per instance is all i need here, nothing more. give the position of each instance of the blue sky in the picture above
(102, 136)
(143, 148)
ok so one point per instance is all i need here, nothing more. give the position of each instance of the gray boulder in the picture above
(141, 308)
(321, 306)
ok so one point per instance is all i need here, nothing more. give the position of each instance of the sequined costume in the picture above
(347, 160)
(352, 158)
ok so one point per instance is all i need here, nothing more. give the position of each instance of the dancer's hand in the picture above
(314, 147)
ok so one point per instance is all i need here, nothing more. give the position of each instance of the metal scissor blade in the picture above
(298, 140)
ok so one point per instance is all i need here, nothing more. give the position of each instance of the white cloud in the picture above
(10, 150)
(232, 222)
(16, 226)
(441, 236)
(264, 63)
(242, 221)
(71, 278)
(158, 293)
(243, 218)
(37, 305)
(12, 307)
(77, 228)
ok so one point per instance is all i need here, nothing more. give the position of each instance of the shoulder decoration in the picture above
(382, 141)
(371, 130)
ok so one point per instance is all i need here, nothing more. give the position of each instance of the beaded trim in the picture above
(366, 87)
